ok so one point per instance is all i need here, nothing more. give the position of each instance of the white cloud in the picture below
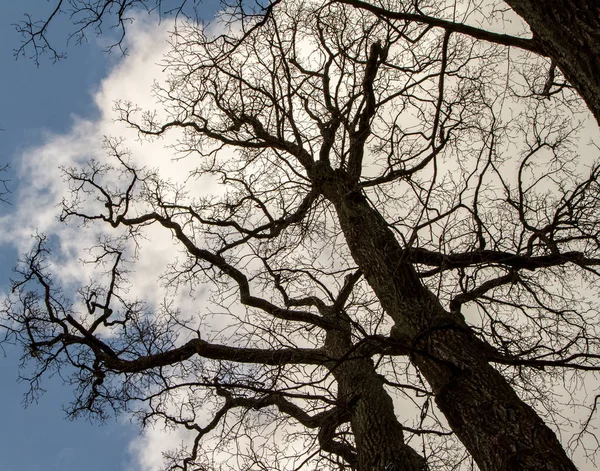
(147, 449)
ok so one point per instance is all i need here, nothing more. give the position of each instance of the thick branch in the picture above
(214, 352)
(359, 136)
(477, 33)
(468, 259)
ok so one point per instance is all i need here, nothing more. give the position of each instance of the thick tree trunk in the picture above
(378, 434)
(500, 431)
(569, 32)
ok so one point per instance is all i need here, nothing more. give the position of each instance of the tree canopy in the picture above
(390, 236)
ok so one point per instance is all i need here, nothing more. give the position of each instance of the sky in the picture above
(52, 114)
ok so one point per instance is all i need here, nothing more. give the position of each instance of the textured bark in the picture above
(569, 32)
(500, 431)
(377, 431)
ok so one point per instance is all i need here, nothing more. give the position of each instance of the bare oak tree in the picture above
(402, 251)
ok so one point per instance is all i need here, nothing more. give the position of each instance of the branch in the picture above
(450, 26)
(358, 137)
(263, 140)
(327, 421)
(214, 352)
(96, 16)
(269, 230)
(541, 364)
(468, 296)
(468, 259)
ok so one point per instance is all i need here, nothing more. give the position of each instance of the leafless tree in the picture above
(403, 216)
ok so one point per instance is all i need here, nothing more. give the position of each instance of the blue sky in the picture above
(38, 105)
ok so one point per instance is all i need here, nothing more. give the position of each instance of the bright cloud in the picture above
(147, 449)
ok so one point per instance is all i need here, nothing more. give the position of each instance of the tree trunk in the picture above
(378, 433)
(500, 431)
(569, 32)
